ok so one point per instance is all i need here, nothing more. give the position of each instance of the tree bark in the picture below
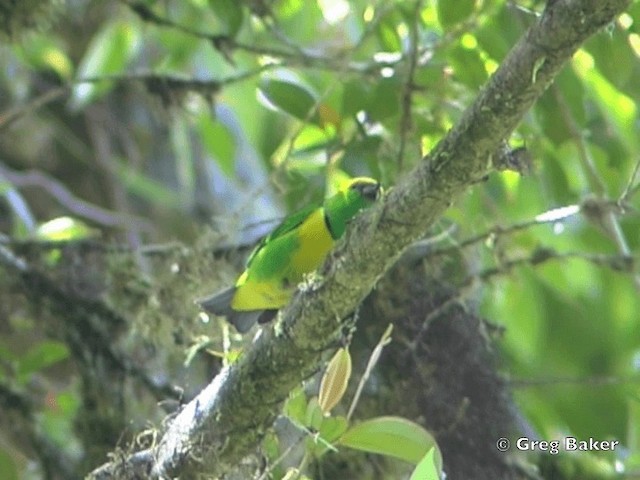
(230, 416)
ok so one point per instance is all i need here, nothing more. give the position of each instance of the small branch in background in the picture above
(586, 160)
(14, 114)
(75, 205)
(606, 219)
(226, 45)
(617, 263)
(631, 188)
(172, 89)
(463, 292)
(385, 339)
(409, 86)
(551, 216)
(19, 207)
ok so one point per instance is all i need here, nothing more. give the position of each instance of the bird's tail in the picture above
(220, 304)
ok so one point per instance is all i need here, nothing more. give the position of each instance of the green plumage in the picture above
(297, 246)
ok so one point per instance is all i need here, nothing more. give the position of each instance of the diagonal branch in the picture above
(229, 417)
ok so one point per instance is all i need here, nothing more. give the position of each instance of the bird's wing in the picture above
(288, 224)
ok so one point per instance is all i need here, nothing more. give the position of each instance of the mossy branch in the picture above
(229, 417)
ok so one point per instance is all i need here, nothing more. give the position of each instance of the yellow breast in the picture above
(287, 259)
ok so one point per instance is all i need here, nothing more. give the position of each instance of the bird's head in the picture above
(354, 195)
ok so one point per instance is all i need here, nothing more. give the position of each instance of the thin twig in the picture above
(12, 115)
(407, 91)
(630, 189)
(608, 219)
(385, 339)
(77, 206)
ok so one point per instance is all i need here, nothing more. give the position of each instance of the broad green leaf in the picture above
(393, 436)
(450, 13)
(109, 52)
(430, 467)
(290, 97)
(314, 415)
(40, 356)
(332, 428)
(230, 14)
(219, 142)
(296, 406)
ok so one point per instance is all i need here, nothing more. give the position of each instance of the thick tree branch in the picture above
(225, 422)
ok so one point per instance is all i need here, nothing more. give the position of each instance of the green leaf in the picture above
(230, 14)
(430, 467)
(314, 415)
(469, 68)
(292, 98)
(62, 229)
(450, 13)
(393, 436)
(385, 100)
(40, 356)
(388, 35)
(355, 97)
(44, 53)
(332, 428)
(108, 53)
(613, 57)
(144, 186)
(296, 407)
(219, 142)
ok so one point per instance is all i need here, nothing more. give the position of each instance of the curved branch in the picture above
(228, 418)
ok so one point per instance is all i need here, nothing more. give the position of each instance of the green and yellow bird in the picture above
(297, 246)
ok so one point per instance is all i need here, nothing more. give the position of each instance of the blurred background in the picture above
(158, 140)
